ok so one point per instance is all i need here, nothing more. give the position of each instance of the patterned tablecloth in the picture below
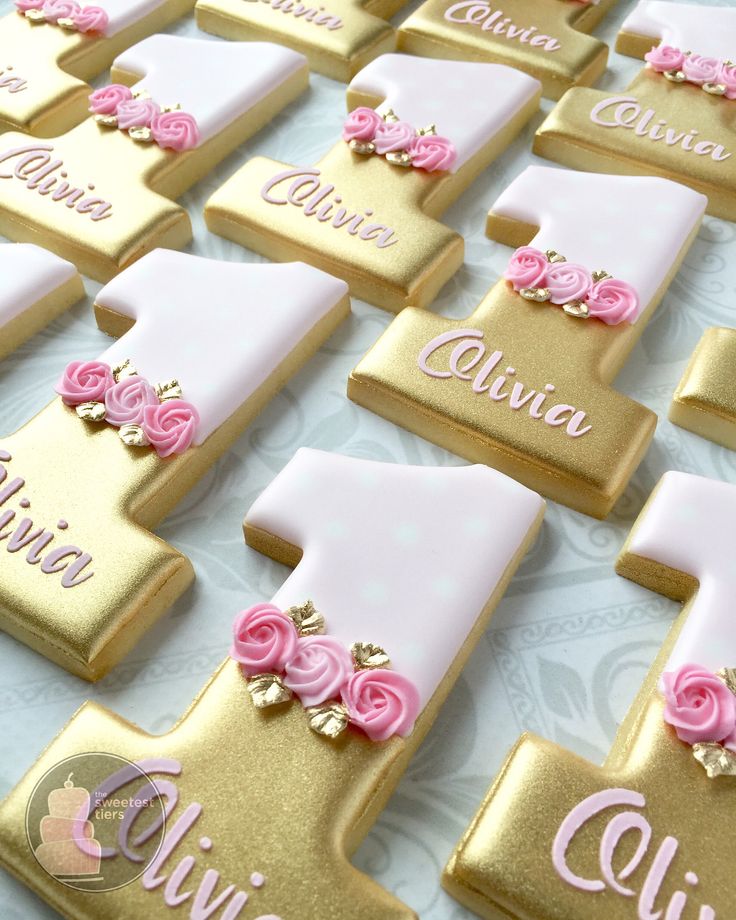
(568, 645)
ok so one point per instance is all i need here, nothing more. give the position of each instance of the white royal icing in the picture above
(27, 275)
(125, 13)
(220, 328)
(406, 557)
(706, 30)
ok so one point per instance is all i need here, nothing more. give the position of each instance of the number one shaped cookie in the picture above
(646, 835)
(338, 37)
(677, 117)
(408, 561)
(100, 194)
(545, 38)
(360, 212)
(524, 384)
(49, 48)
(82, 576)
(35, 287)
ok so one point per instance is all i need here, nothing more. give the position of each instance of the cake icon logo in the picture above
(95, 822)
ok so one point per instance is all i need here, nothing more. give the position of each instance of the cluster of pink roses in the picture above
(562, 282)
(66, 13)
(169, 426)
(700, 707)
(116, 106)
(715, 76)
(425, 151)
(319, 669)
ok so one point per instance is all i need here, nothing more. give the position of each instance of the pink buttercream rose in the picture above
(698, 705)
(105, 101)
(264, 639)
(319, 669)
(85, 381)
(727, 77)
(613, 301)
(170, 426)
(382, 703)
(664, 58)
(393, 135)
(126, 400)
(432, 153)
(91, 19)
(175, 131)
(24, 5)
(567, 281)
(361, 124)
(527, 268)
(137, 113)
(54, 10)
(699, 69)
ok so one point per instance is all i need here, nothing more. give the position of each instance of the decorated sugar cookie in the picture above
(646, 835)
(677, 118)
(99, 195)
(419, 131)
(203, 345)
(279, 769)
(339, 37)
(50, 48)
(705, 399)
(545, 38)
(524, 384)
(35, 287)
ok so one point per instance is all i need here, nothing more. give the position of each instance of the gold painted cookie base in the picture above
(705, 399)
(40, 314)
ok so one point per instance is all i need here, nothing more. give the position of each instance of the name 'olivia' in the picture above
(622, 825)
(305, 183)
(317, 15)
(468, 343)
(480, 13)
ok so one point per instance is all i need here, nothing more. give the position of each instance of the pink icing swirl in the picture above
(664, 58)
(527, 268)
(105, 101)
(382, 703)
(85, 381)
(170, 426)
(91, 19)
(567, 281)
(54, 10)
(361, 124)
(699, 69)
(393, 135)
(126, 400)
(319, 669)
(698, 705)
(264, 639)
(24, 5)
(432, 153)
(175, 131)
(727, 77)
(137, 113)
(613, 301)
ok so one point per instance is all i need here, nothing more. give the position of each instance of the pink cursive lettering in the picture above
(479, 13)
(11, 81)
(314, 14)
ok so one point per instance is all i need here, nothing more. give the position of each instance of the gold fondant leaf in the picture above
(577, 308)
(67, 24)
(536, 295)
(141, 134)
(364, 148)
(268, 690)
(307, 619)
(728, 676)
(601, 275)
(554, 256)
(398, 158)
(123, 370)
(390, 116)
(133, 436)
(107, 121)
(429, 131)
(367, 656)
(169, 389)
(715, 759)
(330, 719)
(35, 16)
(92, 411)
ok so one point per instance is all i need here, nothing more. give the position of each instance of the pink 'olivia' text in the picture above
(11, 81)
(316, 15)
(479, 13)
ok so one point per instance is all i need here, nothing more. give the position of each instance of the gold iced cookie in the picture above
(645, 835)
(677, 117)
(338, 37)
(204, 344)
(544, 38)
(49, 51)
(273, 779)
(524, 384)
(418, 134)
(705, 399)
(100, 195)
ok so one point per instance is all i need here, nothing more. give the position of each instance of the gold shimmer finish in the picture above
(579, 357)
(30, 321)
(705, 399)
(555, 49)
(651, 103)
(56, 65)
(338, 41)
(138, 180)
(110, 496)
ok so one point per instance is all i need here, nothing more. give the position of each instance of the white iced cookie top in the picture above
(125, 13)
(405, 557)
(27, 275)
(705, 30)
(469, 103)
(220, 328)
(214, 81)
(688, 525)
(633, 227)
